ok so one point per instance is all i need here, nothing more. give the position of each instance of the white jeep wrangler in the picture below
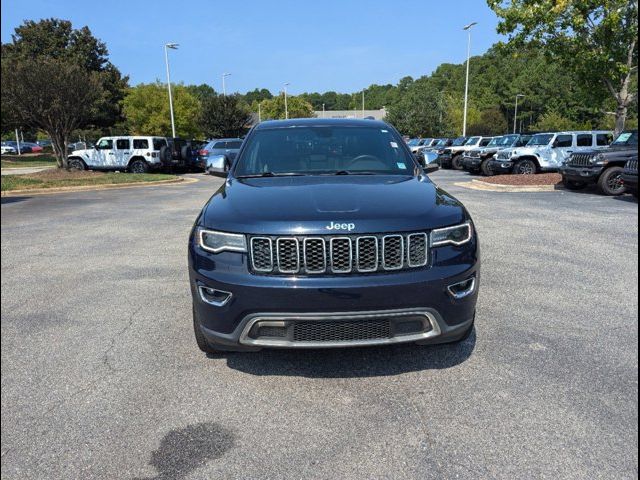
(135, 154)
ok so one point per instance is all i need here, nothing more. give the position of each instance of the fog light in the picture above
(212, 296)
(462, 289)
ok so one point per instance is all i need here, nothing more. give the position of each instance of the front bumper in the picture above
(501, 166)
(581, 174)
(472, 163)
(445, 160)
(283, 302)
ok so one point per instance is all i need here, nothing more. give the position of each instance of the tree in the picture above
(552, 121)
(274, 108)
(598, 40)
(224, 116)
(53, 95)
(57, 39)
(146, 109)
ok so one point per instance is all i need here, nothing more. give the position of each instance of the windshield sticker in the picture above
(401, 166)
(623, 137)
(394, 144)
(384, 131)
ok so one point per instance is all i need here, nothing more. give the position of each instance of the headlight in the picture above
(217, 242)
(458, 235)
(599, 158)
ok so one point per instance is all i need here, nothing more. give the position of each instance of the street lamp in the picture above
(515, 116)
(224, 90)
(466, 87)
(172, 46)
(286, 107)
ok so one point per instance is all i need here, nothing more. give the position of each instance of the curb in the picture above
(93, 188)
(491, 187)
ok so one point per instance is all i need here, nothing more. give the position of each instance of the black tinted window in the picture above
(484, 142)
(585, 140)
(564, 141)
(123, 143)
(604, 139)
(235, 145)
(158, 143)
(140, 143)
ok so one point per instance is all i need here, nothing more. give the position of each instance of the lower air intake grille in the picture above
(341, 331)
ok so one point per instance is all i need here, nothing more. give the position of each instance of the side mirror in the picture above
(217, 164)
(431, 168)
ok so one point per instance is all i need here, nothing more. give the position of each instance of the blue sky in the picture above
(316, 45)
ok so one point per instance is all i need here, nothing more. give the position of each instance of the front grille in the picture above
(474, 154)
(581, 160)
(342, 331)
(632, 166)
(345, 254)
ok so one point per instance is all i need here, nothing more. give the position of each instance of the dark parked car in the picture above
(630, 177)
(603, 167)
(327, 233)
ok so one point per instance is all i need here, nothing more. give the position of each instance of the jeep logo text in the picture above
(341, 226)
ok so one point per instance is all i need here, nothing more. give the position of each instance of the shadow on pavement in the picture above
(7, 200)
(352, 362)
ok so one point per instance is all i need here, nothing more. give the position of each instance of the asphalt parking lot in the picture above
(101, 377)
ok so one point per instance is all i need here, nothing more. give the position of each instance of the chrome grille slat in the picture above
(338, 254)
(580, 160)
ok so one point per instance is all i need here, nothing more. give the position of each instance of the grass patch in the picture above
(27, 160)
(61, 178)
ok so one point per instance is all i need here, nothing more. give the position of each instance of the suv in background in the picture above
(218, 155)
(602, 167)
(452, 156)
(138, 154)
(547, 152)
(478, 159)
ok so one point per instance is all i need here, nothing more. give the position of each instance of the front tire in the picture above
(456, 162)
(610, 182)
(525, 167)
(76, 164)
(485, 168)
(138, 166)
(201, 341)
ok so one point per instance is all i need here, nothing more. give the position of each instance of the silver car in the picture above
(218, 155)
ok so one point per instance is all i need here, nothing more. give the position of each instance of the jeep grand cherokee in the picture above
(328, 233)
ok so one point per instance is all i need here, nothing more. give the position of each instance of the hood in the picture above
(82, 152)
(520, 151)
(614, 151)
(307, 205)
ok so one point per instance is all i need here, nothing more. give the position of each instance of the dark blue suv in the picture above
(328, 233)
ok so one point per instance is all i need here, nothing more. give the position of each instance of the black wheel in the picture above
(203, 343)
(138, 166)
(456, 162)
(573, 185)
(525, 167)
(76, 164)
(165, 154)
(610, 182)
(185, 153)
(485, 168)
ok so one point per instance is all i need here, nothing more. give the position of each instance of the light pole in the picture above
(286, 106)
(172, 46)
(466, 87)
(224, 90)
(515, 115)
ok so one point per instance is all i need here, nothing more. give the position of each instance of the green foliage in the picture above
(146, 108)
(274, 109)
(552, 121)
(595, 41)
(57, 39)
(224, 116)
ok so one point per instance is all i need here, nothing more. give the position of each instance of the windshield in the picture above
(414, 142)
(627, 138)
(316, 150)
(458, 142)
(507, 140)
(541, 139)
(441, 143)
(473, 141)
(495, 141)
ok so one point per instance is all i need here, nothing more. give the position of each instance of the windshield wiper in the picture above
(349, 172)
(271, 174)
